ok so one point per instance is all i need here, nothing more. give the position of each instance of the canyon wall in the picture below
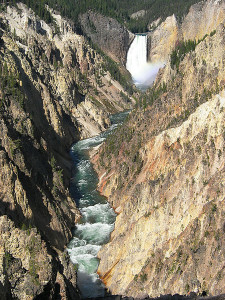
(202, 19)
(62, 59)
(108, 34)
(54, 90)
(114, 39)
(163, 172)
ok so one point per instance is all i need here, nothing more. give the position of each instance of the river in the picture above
(98, 217)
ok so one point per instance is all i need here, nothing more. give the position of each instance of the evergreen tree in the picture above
(118, 9)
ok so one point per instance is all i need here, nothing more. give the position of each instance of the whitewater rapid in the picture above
(98, 217)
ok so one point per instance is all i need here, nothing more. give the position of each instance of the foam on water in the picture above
(87, 263)
(86, 249)
(97, 233)
(88, 143)
(76, 242)
(101, 213)
(98, 217)
(84, 167)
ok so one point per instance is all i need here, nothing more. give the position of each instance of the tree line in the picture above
(121, 10)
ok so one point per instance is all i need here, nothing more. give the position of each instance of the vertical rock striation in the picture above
(163, 172)
(54, 90)
(202, 19)
(112, 37)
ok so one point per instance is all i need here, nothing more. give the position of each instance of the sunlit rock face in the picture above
(202, 19)
(166, 182)
(53, 100)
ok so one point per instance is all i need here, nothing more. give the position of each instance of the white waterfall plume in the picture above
(137, 54)
(142, 72)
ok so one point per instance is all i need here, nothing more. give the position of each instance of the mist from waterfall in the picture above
(143, 73)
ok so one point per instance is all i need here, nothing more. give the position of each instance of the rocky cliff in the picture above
(62, 59)
(202, 19)
(54, 90)
(163, 172)
(112, 37)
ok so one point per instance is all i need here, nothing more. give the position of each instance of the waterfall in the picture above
(137, 54)
(143, 73)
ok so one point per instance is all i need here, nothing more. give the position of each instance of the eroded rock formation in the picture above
(113, 38)
(202, 19)
(54, 90)
(163, 172)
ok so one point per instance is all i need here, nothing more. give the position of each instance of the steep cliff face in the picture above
(55, 56)
(54, 90)
(33, 196)
(33, 180)
(113, 38)
(163, 171)
(29, 269)
(202, 19)
(163, 39)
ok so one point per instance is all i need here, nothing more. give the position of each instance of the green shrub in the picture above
(8, 259)
(180, 51)
(143, 277)
(214, 208)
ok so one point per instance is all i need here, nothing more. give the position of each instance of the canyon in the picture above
(162, 170)
(55, 90)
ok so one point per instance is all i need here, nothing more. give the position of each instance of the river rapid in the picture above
(98, 217)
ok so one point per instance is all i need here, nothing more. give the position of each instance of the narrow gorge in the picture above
(163, 172)
(55, 89)
(112, 127)
(98, 217)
